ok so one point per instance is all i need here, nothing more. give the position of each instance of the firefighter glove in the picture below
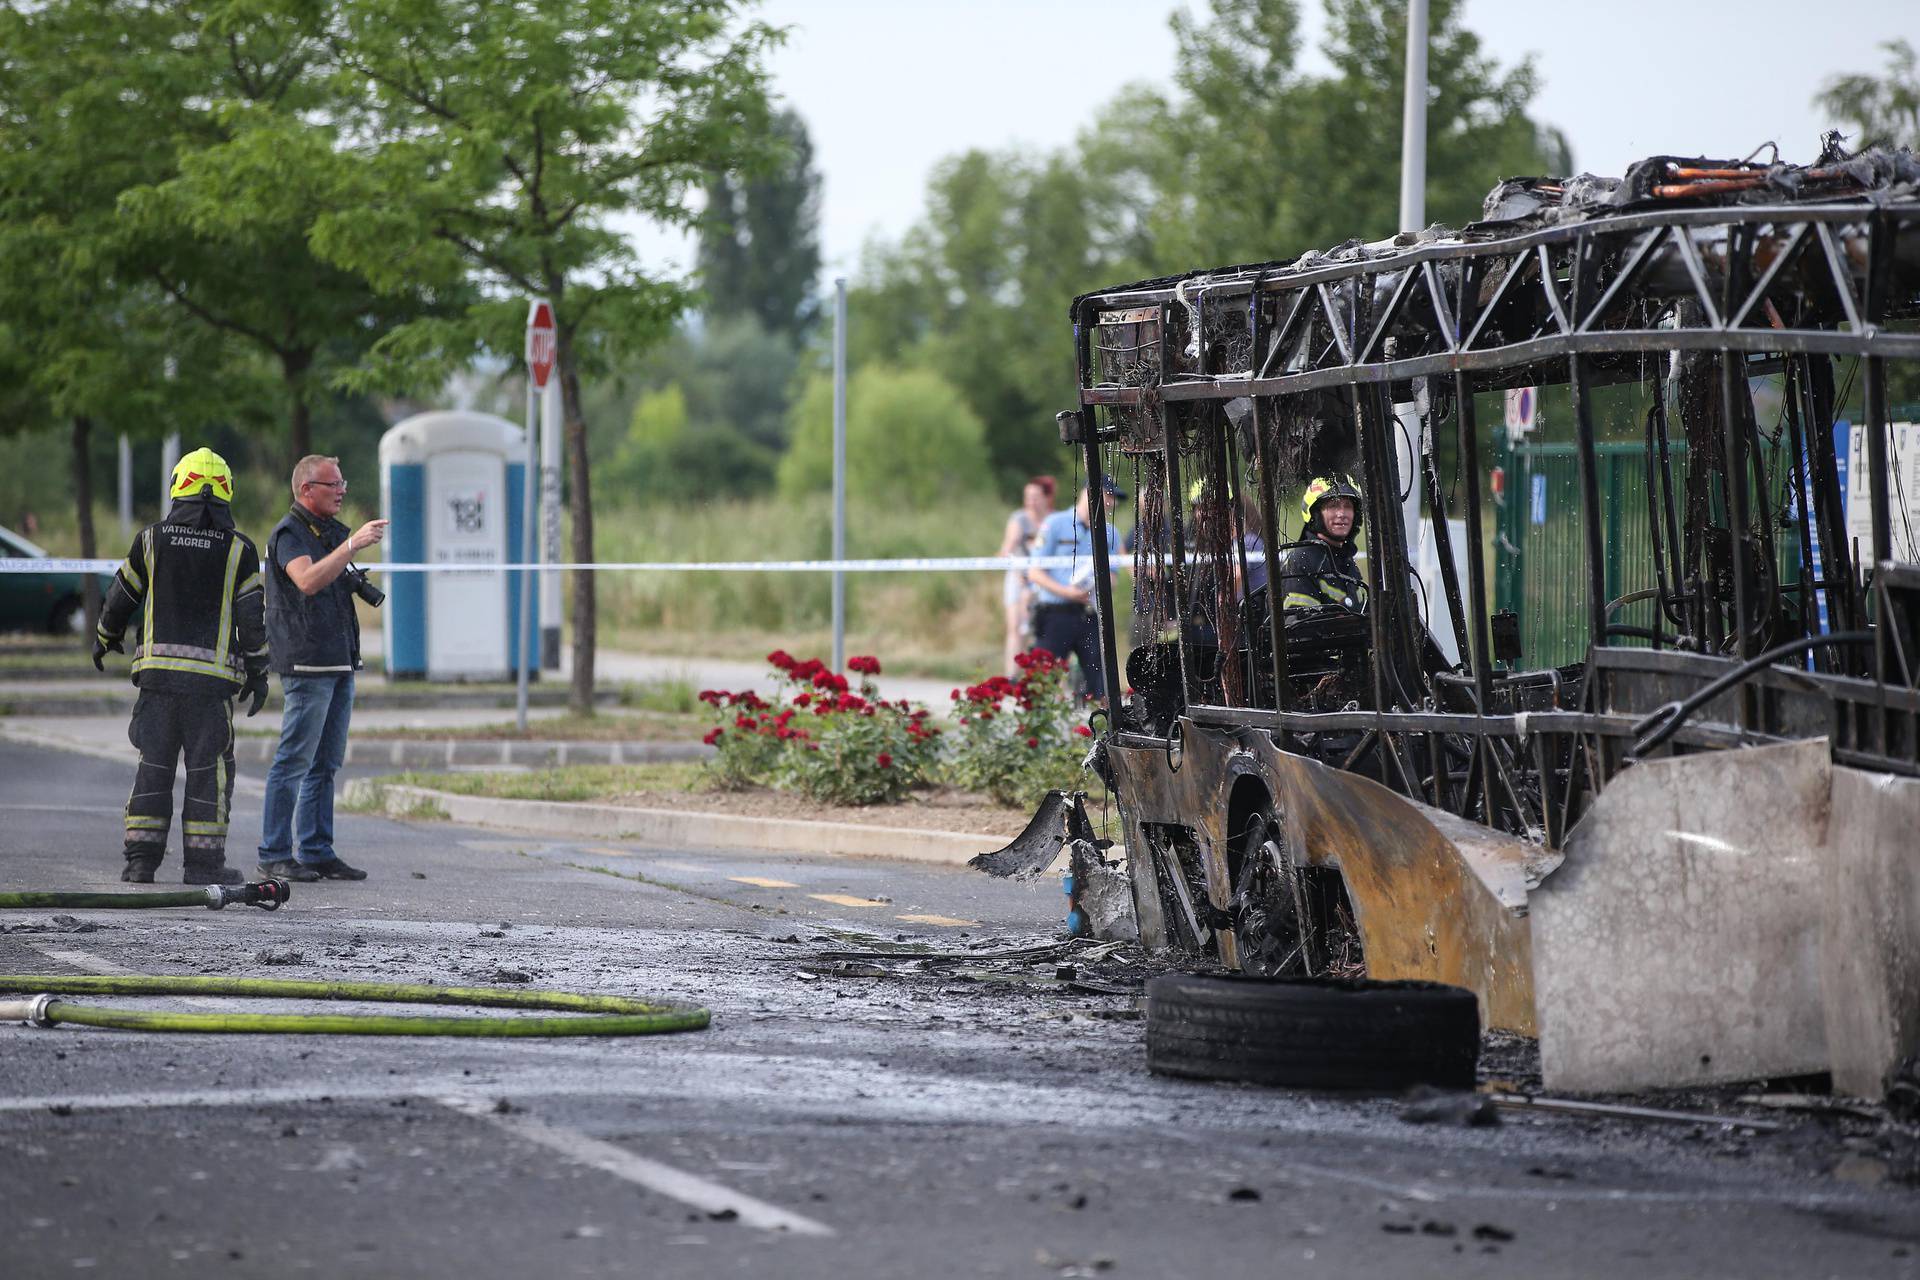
(100, 648)
(256, 686)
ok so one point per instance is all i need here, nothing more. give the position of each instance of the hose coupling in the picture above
(31, 1010)
(265, 894)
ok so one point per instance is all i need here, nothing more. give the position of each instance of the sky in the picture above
(889, 89)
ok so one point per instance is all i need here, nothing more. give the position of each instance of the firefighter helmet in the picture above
(202, 473)
(1324, 487)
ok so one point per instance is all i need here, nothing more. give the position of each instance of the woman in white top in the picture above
(1016, 598)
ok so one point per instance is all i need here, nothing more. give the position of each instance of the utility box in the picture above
(454, 485)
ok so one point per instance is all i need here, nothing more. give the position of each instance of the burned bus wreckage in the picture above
(1653, 796)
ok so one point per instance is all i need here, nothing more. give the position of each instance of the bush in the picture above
(822, 739)
(1018, 739)
(910, 437)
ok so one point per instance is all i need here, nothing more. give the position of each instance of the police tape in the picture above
(961, 564)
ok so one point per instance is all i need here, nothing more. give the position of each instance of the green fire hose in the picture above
(607, 1015)
(591, 1015)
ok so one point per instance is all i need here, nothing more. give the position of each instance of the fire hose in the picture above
(587, 1015)
(605, 1015)
(265, 894)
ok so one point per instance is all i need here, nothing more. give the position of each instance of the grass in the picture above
(946, 625)
(641, 726)
(574, 782)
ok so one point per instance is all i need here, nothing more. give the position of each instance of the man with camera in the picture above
(313, 637)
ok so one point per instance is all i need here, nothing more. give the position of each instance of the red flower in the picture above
(744, 722)
(1083, 731)
(802, 699)
(712, 696)
(781, 659)
(955, 695)
(864, 665)
(884, 760)
(713, 736)
(1033, 742)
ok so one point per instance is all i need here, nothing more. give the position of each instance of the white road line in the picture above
(708, 1197)
(92, 963)
(79, 959)
(990, 1110)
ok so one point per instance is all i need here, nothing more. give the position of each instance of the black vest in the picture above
(309, 635)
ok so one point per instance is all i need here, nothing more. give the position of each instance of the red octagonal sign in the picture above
(540, 343)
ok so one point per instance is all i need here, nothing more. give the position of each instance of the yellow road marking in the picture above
(845, 900)
(945, 920)
(763, 883)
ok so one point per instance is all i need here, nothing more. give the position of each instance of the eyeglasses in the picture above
(341, 485)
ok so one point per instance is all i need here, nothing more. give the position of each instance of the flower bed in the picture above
(834, 744)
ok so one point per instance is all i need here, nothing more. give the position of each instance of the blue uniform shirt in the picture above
(1062, 534)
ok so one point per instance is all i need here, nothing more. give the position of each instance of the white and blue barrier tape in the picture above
(936, 564)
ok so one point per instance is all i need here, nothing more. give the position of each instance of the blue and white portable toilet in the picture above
(454, 485)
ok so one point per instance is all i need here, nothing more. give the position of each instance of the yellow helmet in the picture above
(202, 472)
(1324, 487)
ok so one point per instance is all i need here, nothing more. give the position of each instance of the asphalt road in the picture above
(974, 1118)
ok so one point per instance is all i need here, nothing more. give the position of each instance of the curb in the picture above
(458, 753)
(674, 826)
(120, 700)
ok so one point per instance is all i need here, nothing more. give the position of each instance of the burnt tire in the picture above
(1313, 1033)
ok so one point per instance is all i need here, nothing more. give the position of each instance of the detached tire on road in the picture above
(1313, 1033)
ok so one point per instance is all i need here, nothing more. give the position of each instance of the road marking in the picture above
(80, 959)
(709, 1197)
(612, 853)
(92, 963)
(845, 900)
(940, 920)
(764, 883)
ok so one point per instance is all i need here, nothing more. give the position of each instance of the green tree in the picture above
(1882, 110)
(1276, 162)
(911, 440)
(89, 337)
(759, 245)
(503, 140)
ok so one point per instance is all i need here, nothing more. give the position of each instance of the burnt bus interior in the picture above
(1704, 324)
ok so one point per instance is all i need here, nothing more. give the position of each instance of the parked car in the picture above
(41, 601)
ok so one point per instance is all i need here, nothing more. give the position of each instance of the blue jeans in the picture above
(313, 744)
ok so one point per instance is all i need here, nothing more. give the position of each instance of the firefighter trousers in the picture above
(164, 726)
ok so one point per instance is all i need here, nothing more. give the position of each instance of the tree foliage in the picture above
(1881, 110)
(1251, 160)
(502, 140)
(759, 242)
(911, 441)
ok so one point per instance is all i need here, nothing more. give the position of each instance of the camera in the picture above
(363, 586)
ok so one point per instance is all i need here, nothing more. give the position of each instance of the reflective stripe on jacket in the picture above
(191, 584)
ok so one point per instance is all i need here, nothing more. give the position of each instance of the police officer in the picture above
(193, 581)
(1321, 570)
(316, 650)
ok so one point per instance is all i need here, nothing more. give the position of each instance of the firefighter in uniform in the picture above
(191, 586)
(1321, 570)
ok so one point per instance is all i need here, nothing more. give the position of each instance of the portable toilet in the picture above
(453, 483)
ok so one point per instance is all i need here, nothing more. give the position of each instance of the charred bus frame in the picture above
(1253, 376)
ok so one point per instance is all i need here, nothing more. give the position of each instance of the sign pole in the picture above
(551, 426)
(540, 349)
(839, 471)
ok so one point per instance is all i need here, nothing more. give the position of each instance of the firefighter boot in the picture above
(211, 873)
(140, 867)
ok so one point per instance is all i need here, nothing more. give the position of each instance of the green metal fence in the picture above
(1540, 551)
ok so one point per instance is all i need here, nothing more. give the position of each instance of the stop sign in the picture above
(540, 342)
